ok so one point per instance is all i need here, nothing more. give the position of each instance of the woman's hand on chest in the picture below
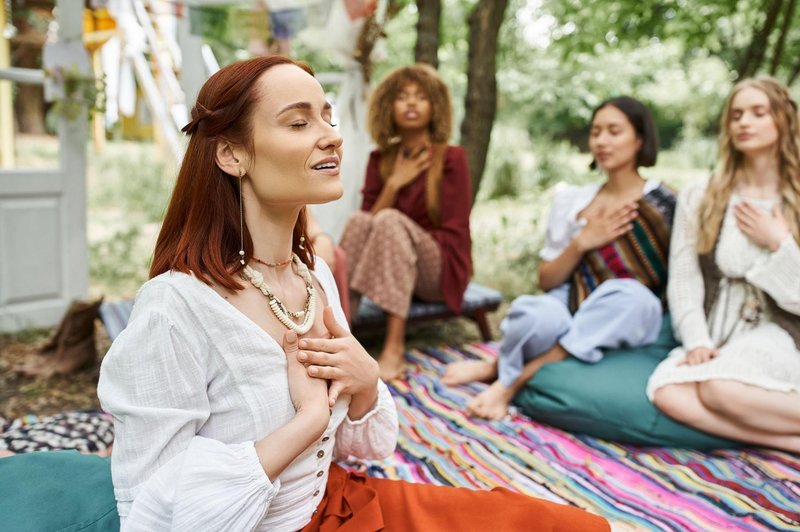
(344, 362)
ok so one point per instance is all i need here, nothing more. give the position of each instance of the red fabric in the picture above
(452, 234)
(357, 503)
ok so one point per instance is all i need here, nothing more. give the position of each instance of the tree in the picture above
(754, 55)
(30, 23)
(480, 102)
(427, 47)
(750, 36)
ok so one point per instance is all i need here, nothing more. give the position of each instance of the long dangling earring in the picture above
(241, 219)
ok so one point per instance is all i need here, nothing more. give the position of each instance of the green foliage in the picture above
(507, 235)
(506, 181)
(555, 99)
(128, 192)
(130, 183)
(719, 26)
(698, 153)
(520, 165)
(116, 265)
(738, 32)
(224, 28)
(82, 93)
(552, 165)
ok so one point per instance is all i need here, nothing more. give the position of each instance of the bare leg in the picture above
(493, 402)
(470, 371)
(391, 361)
(684, 403)
(752, 407)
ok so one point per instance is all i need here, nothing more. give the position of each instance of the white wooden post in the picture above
(43, 248)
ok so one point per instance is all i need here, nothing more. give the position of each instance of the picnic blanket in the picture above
(650, 488)
(634, 487)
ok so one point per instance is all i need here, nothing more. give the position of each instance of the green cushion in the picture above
(62, 491)
(607, 399)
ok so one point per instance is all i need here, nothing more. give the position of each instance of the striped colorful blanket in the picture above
(635, 488)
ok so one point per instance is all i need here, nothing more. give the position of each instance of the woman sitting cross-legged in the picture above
(411, 237)
(604, 265)
(734, 289)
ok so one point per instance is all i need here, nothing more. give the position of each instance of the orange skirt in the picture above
(357, 503)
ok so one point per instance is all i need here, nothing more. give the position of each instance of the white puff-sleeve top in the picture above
(563, 224)
(192, 383)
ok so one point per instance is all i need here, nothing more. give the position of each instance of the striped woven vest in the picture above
(641, 254)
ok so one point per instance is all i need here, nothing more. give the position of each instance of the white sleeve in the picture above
(556, 227)
(561, 223)
(372, 437)
(779, 275)
(153, 381)
(685, 289)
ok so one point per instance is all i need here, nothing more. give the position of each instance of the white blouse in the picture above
(192, 383)
(563, 225)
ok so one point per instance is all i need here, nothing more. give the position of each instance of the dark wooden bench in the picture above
(478, 302)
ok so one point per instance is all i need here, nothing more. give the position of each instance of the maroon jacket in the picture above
(452, 233)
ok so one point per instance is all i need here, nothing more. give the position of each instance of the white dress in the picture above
(761, 354)
(192, 383)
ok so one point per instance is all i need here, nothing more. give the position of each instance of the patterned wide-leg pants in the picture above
(390, 259)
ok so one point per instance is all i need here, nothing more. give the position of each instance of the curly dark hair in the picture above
(381, 125)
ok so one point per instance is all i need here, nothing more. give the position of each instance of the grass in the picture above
(128, 186)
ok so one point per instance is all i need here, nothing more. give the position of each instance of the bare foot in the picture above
(492, 403)
(469, 371)
(391, 364)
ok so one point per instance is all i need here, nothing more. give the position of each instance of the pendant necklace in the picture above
(286, 317)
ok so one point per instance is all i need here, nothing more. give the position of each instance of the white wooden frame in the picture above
(43, 248)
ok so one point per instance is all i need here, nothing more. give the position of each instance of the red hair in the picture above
(201, 233)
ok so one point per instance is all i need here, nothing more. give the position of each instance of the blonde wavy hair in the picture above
(384, 131)
(783, 109)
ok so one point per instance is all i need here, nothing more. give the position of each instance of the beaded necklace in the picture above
(278, 264)
(283, 315)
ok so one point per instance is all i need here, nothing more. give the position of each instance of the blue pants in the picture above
(620, 312)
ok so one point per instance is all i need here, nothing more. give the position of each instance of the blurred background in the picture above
(93, 95)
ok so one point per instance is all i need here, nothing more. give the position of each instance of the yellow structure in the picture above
(98, 27)
(6, 103)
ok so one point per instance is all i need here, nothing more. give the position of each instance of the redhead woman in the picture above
(734, 289)
(604, 265)
(411, 237)
(236, 385)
